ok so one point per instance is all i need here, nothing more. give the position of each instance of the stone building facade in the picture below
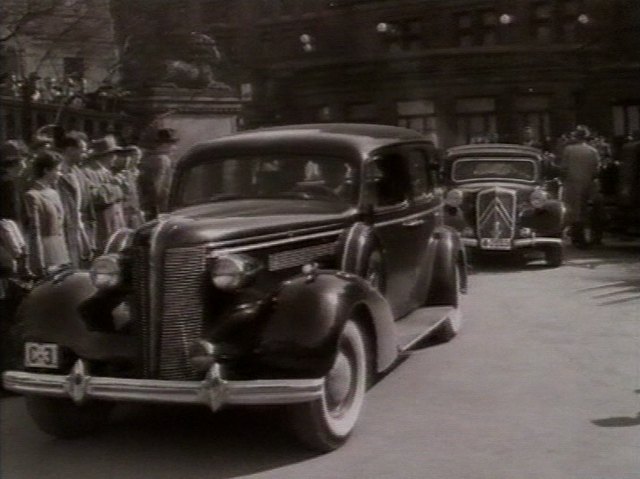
(453, 69)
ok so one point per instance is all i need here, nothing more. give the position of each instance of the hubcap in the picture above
(338, 382)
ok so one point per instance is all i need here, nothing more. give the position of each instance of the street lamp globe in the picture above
(382, 27)
(584, 18)
(506, 19)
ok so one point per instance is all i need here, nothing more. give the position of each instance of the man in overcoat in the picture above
(156, 171)
(74, 193)
(106, 195)
(579, 164)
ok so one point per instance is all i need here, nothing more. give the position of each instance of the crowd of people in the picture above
(69, 90)
(63, 198)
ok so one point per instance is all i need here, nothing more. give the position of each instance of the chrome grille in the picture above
(299, 256)
(496, 213)
(181, 314)
(139, 303)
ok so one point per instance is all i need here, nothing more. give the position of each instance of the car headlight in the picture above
(105, 271)
(538, 198)
(453, 198)
(233, 271)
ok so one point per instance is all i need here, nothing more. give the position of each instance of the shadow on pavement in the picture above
(233, 442)
(618, 421)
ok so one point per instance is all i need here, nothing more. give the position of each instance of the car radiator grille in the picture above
(182, 310)
(139, 304)
(165, 342)
(496, 213)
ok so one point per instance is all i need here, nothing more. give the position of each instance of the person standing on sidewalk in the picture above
(74, 193)
(156, 171)
(579, 165)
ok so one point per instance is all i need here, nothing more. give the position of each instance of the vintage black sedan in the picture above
(504, 197)
(295, 264)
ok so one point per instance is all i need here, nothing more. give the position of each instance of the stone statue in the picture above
(182, 60)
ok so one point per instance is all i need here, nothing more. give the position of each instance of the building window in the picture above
(626, 119)
(489, 27)
(405, 35)
(73, 67)
(475, 120)
(361, 113)
(418, 115)
(534, 111)
(569, 25)
(543, 22)
(464, 22)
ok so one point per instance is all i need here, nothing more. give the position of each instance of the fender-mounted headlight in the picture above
(453, 198)
(105, 271)
(233, 271)
(538, 198)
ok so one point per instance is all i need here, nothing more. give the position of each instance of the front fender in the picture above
(445, 250)
(548, 220)
(308, 315)
(52, 313)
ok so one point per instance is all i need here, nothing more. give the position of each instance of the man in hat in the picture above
(105, 193)
(74, 194)
(156, 171)
(580, 162)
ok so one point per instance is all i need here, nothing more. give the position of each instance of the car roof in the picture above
(500, 149)
(355, 139)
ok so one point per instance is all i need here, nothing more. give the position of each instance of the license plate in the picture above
(495, 243)
(41, 355)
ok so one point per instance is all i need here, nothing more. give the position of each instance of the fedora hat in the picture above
(104, 146)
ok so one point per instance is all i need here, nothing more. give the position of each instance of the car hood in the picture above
(227, 221)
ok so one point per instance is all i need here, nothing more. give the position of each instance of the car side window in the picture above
(389, 180)
(419, 171)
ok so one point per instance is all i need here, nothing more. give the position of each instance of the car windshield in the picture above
(469, 169)
(269, 177)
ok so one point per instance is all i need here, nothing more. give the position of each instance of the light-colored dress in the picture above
(45, 228)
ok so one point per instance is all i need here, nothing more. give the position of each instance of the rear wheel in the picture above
(554, 255)
(325, 424)
(451, 295)
(62, 418)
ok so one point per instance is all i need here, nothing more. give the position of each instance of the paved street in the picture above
(543, 383)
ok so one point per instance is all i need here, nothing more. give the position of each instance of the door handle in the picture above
(413, 223)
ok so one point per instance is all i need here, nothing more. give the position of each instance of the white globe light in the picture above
(382, 27)
(506, 19)
(584, 18)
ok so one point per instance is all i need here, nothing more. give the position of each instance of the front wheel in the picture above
(326, 423)
(62, 418)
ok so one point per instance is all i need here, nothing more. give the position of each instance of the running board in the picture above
(417, 325)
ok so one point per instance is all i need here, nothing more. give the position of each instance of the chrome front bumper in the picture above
(213, 391)
(518, 243)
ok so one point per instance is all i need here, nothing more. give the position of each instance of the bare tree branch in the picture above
(28, 17)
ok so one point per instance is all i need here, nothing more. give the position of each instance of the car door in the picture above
(398, 224)
(426, 198)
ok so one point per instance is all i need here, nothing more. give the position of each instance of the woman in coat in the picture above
(45, 216)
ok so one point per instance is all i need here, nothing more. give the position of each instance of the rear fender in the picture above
(308, 315)
(53, 312)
